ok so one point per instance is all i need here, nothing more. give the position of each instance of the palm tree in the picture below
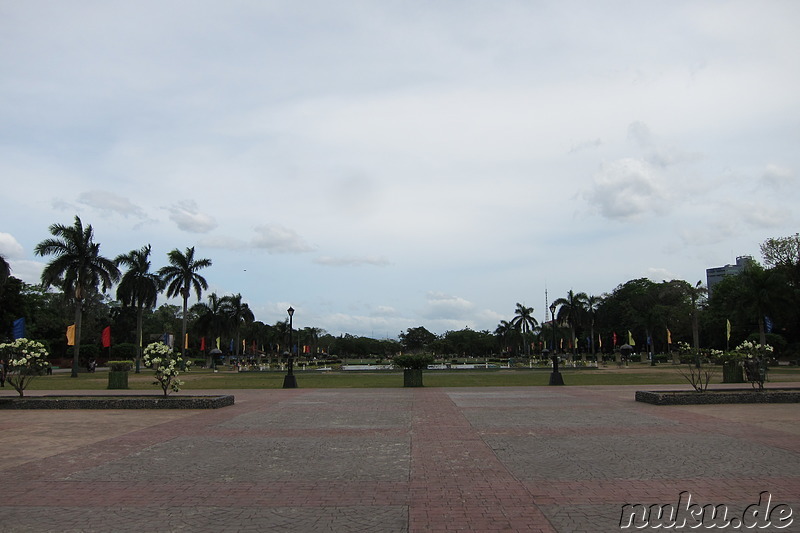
(238, 314)
(524, 321)
(180, 276)
(211, 319)
(503, 330)
(695, 294)
(592, 304)
(763, 291)
(78, 269)
(570, 311)
(138, 288)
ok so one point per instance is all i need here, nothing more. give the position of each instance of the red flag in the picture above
(106, 337)
(202, 344)
(615, 338)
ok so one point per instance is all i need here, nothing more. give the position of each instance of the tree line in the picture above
(77, 282)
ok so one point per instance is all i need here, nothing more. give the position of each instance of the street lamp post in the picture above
(289, 381)
(555, 375)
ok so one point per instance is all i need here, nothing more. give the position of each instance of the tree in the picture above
(78, 269)
(503, 331)
(138, 287)
(592, 304)
(238, 314)
(180, 276)
(763, 292)
(5, 270)
(211, 322)
(416, 339)
(524, 322)
(570, 311)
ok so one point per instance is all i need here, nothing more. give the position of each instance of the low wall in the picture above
(719, 396)
(116, 402)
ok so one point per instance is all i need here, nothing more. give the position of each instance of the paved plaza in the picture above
(540, 459)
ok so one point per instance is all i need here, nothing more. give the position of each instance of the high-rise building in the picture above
(716, 274)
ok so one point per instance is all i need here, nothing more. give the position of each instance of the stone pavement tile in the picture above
(212, 459)
(652, 456)
(210, 519)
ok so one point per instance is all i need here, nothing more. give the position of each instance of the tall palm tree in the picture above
(211, 319)
(763, 291)
(78, 269)
(524, 321)
(138, 288)
(503, 330)
(238, 313)
(180, 276)
(570, 310)
(695, 294)
(592, 304)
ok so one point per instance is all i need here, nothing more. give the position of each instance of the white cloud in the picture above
(778, 177)
(110, 202)
(351, 261)
(278, 239)
(188, 217)
(626, 189)
(9, 247)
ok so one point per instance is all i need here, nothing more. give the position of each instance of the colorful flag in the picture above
(106, 337)
(768, 324)
(19, 328)
(71, 335)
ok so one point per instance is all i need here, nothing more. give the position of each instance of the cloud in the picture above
(188, 218)
(585, 145)
(278, 239)
(778, 177)
(351, 261)
(225, 243)
(10, 248)
(626, 189)
(110, 202)
(445, 306)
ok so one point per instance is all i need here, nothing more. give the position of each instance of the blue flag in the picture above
(19, 328)
(768, 324)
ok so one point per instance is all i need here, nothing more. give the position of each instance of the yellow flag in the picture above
(669, 336)
(728, 330)
(186, 342)
(217, 343)
(71, 335)
(630, 339)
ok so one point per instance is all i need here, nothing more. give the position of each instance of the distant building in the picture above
(716, 274)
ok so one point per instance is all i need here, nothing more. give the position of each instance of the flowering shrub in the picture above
(750, 350)
(25, 359)
(166, 364)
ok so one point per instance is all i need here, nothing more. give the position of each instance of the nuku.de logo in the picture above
(688, 515)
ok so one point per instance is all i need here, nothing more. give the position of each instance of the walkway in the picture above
(538, 459)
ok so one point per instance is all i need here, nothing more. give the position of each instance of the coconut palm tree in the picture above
(238, 314)
(179, 277)
(592, 304)
(524, 321)
(211, 319)
(503, 330)
(138, 288)
(77, 269)
(570, 310)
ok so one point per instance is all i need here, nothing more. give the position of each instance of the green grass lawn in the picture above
(205, 379)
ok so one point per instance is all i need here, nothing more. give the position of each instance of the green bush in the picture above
(126, 350)
(415, 361)
(120, 366)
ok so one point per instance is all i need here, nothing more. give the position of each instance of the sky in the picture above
(381, 165)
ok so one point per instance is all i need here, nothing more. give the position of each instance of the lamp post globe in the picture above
(289, 381)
